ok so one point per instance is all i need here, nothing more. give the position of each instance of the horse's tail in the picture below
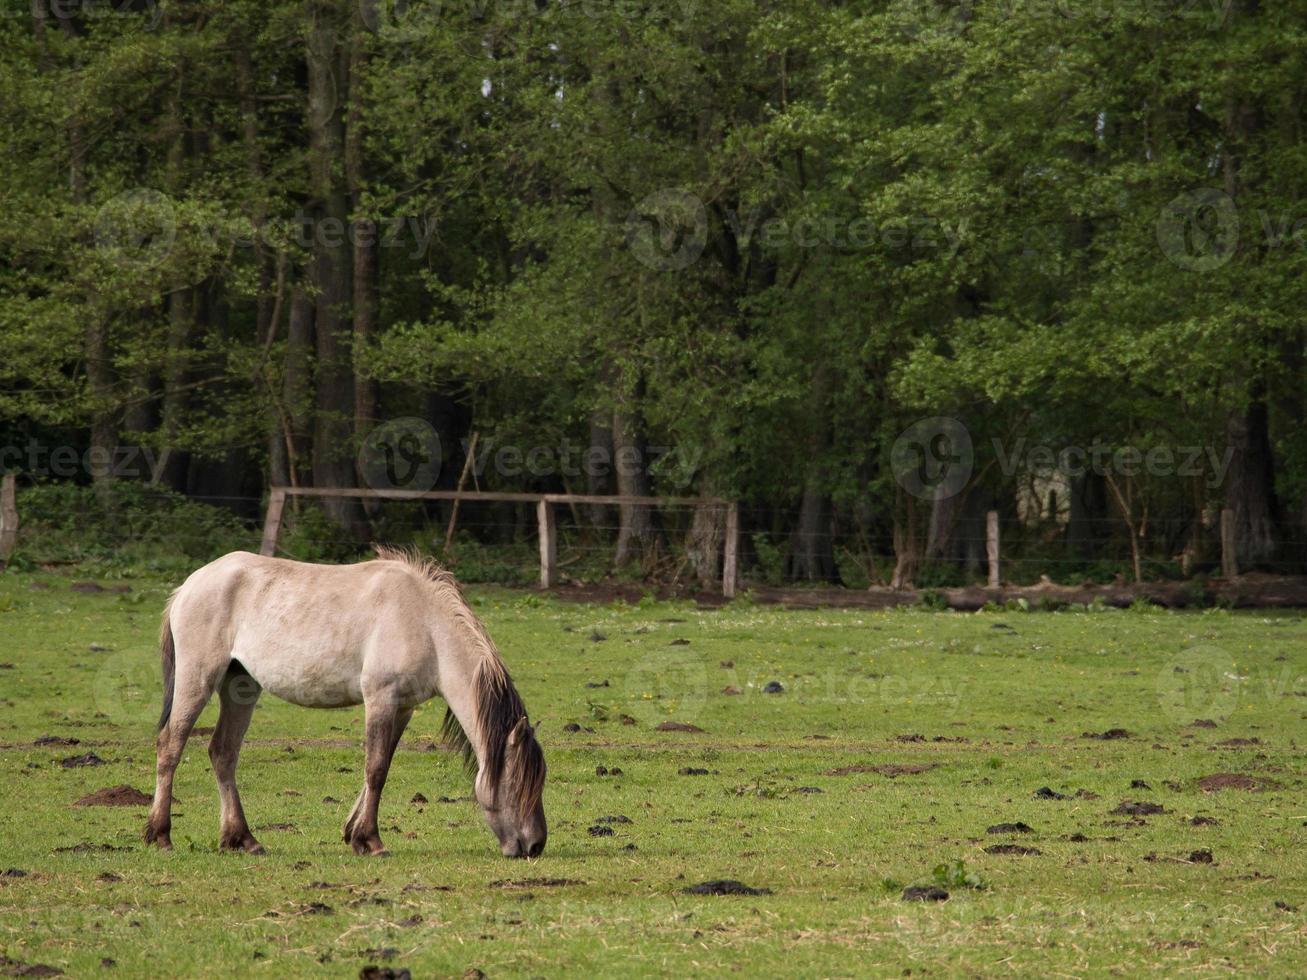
(167, 654)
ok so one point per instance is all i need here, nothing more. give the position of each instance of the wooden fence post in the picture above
(272, 522)
(1229, 546)
(731, 559)
(548, 544)
(991, 547)
(8, 515)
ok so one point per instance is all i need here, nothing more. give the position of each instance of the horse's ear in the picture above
(520, 731)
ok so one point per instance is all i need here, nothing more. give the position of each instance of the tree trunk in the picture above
(272, 273)
(1291, 403)
(1192, 556)
(812, 545)
(1250, 490)
(1088, 515)
(598, 466)
(637, 535)
(141, 414)
(703, 546)
(99, 378)
(99, 372)
(297, 387)
(957, 529)
(1250, 487)
(366, 257)
(181, 327)
(331, 267)
(182, 302)
(907, 547)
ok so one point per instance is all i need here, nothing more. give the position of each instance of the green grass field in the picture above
(990, 706)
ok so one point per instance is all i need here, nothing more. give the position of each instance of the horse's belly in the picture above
(311, 682)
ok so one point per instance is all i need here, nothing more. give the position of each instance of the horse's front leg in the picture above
(385, 725)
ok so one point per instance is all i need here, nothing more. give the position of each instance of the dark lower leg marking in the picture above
(384, 728)
(168, 751)
(237, 695)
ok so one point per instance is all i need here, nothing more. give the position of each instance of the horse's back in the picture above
(307, 633)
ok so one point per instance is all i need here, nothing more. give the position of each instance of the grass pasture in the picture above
(920, 730)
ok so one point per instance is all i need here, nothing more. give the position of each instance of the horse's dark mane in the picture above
(497, 704)
(499, 708)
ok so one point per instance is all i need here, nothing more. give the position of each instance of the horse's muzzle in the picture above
(522, 848)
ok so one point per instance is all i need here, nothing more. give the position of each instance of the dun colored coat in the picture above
(388, 634)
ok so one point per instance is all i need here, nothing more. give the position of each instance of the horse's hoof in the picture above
(243, 841)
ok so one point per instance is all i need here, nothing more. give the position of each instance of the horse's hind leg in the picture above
(385, 724)
(237, 695)
(191, 692)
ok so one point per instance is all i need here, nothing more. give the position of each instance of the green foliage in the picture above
(123, 524)
(473, 561)
(308, 534)
(889, 212)
(932, 600)
(954, 874)
(770, 560)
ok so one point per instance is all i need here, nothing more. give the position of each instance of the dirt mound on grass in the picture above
(123, 795)
(86, 759)
(1138, 808)
(1235, 780)
(17, 968)
(888, 769)
(1019, 827)
(924, 893)
(1016, 849)
(724, 886)
(677, 726)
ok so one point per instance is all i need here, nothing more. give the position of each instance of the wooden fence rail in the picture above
(545, 503)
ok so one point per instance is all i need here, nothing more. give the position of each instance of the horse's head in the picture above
(514, 805)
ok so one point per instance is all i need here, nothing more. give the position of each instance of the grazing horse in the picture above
(389, 634)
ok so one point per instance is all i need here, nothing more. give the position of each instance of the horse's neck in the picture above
(460, 657)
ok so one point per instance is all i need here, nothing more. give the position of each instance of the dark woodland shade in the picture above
(785, 340)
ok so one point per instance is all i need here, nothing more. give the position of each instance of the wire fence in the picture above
(499, 541)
